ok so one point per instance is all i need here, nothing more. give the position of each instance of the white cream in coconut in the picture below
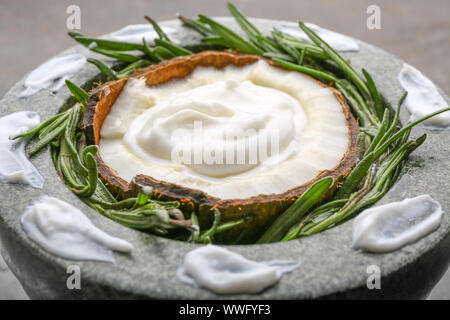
(288, 129)
(423, 98)
(225, 272)
(391, 226)
(14, 164)
(164, 131)
(52, 74)
(65, 231)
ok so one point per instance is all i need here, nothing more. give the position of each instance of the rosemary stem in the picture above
(296, 211)
(337, 59)
(312, 72)
(379, 151)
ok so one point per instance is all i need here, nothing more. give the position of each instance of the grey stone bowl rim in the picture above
(329, 264)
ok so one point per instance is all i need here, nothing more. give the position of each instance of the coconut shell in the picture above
(264, 208)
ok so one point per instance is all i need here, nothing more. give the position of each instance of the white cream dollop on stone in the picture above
(65, 231)
(225, 272)
(391, 226)
(15, 167)
(53, 74)
(423, 98)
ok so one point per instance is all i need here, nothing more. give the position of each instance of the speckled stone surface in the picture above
(330, 267)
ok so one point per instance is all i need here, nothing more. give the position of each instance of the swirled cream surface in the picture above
(232, 132)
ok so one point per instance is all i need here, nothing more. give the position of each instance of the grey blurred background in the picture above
(31, 31)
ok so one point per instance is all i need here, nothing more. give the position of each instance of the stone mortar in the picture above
(330, 267)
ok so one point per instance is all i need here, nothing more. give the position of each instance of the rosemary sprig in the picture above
(151, 52)
(325, 210)
(291, 51)
(106, 70)
(279, 56)
(164, 49)
(312, 72)
(207, 236)
(355, 106)
(296, 211)
(369, 194)
(132, 67)
(312, 49)
(165, 42)
(379, 151)
(77, 92)
(107, 44)
(333, 55)
(164, 53)
(377, 99)
(195, 229)
(198, 26)
(118, 55)
(355, 177)
(49, 131)
(381, 132)
(252, 32)
(162, 35)
(370, 115)
(175, 49)
(232, 39)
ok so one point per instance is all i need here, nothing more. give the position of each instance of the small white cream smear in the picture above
(134, 33)
(336, 40)
(225, 272)
(423, 98)
(234, 132)
(53, 74)
(65, 231)
(14, 164)
(391, 226)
